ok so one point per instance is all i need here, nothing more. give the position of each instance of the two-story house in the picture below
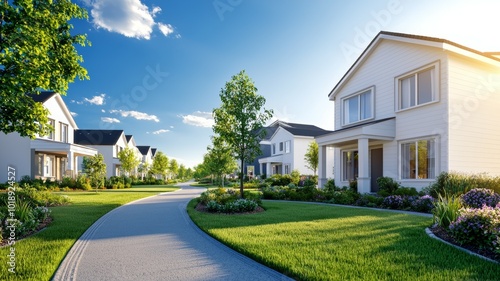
(108, 143)
(47, 157)
(411, 107)
(146, 156)
(288, 145)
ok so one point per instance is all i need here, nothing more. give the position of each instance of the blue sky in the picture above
(157, 67)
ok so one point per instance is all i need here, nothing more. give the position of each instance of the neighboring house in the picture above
(255, 168)
(146, 156)
(47, 157)
(411, 107)
(107, 142)
(132, 145)
(288, 145)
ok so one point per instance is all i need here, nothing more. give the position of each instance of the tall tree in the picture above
(173, 167)
(219, 159)
(129, 160)
(37, 52)
(95, 168)
(311, 157)
(160, 165)
(239, 117)
(181, 174)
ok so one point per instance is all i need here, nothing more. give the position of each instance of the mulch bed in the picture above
(443, 234)
(202, 208)
(39, 228)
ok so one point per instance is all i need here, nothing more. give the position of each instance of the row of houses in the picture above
(409, 108)
(61, 153)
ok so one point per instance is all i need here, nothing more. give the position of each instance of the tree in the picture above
(239, 117)
(173, 166)
(181, 174)
(311, 156)
(95, 168)
(144, 169)
(37, 52)
(219, 160)
(200, 171)
(160, 165)
(129, 160)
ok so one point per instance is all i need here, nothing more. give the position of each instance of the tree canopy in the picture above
(219, 160)
(160, 165)
(37, 52)
(128, 160)
(95, 168)
(311, 156)
(239, 117)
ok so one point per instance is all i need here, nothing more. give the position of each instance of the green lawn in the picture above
(318, 242)
(38, 256)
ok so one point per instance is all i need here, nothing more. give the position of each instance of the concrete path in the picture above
(154, 239)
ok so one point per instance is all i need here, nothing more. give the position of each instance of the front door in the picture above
(376, 167)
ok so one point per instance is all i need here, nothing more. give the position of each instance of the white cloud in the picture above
(97, 100)
(74, 114)
(199, 119)
(103, 111)
(136, 114)
(130, 18)
(109, 120)
(162, 131)
(166, 29)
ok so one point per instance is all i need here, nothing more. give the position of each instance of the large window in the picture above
(281, 146)
(287, 147)
(349, 165)
(418, 159)
(358, 107)
(64, 132)
(49, 166)
(417, 88)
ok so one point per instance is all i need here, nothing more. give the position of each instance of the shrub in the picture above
(478, 227)
(423, 204)
(478, 197)
(368, 200)
(406, 191)
(446, 210)
(344, 197)
(460, 183)
(329, 185)
(393, 202)
(238, 206)
(387, 186)
(82, 182)
(295, 176)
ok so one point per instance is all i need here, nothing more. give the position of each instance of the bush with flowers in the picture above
(478, 197)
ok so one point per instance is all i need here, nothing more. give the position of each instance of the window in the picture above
(287, 147)
(281, 146)
(358, 107)
(63, 166)
(417, 88)
(350, 165)
(49, 166)
(64, 132)
(418, 159)
(287, 169)
(39, 164)
(51, 135)
(274, 148)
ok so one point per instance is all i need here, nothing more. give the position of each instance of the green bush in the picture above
(83, 182)
(368, 200)
(446, 210)
(387, 186)
(454, 183)
(344, 197)
(406, 191)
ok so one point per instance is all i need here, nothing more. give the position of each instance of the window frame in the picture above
(435, 80)
(281, 146)
(343, 166)
(287, 146)
(435, 139)
(63, 134)
(358, 94)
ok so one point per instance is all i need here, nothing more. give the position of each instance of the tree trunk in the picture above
(241, 179)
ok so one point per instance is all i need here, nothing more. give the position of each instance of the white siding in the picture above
(473, 115)
(14, 152)
(59, 114)
(300, 146)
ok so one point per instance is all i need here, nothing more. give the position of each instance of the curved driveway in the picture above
(154, 239)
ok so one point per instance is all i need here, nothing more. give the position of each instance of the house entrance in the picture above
(376, 167)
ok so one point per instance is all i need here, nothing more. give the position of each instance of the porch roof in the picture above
(383, 129)
(272, 159)
(57, 147)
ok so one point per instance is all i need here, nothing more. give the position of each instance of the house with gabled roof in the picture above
(411, 107)
(46, 157)
(288, 144)
(108, 143)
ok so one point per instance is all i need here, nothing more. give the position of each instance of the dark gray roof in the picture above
(128, 137)
(144, 149)
(42, 97)
(97, 137)
(301, 129)
(153, 151)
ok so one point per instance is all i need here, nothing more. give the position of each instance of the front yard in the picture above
(318, 242)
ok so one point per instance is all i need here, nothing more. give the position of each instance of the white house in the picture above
(289, 143)
(47, 157)
(411, 107)
(146, 156)
(108, 143)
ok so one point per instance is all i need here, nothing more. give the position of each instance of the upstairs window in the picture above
(64, 132)
(358, 107)
(417, 88)
(287, 147)
(281, 146)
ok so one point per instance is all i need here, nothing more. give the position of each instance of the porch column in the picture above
(363, 172)
(268, 169)
(322, 171)
(71, 162)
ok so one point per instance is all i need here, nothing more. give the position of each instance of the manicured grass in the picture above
(318, 242)
(39, 256)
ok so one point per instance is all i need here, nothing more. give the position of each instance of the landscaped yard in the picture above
(318, 242)
(38, 256)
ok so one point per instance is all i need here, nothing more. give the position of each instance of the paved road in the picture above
(154, 239)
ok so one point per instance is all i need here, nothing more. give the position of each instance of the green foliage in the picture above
(368, 200)
(344, 197)
(95, 169)
(406, 191)
(219, 160)
(312, 156)
(223, 200)
(129, 160)
(173, 167)
(387, 186)
(295, 175)
(37, 51)
(83, 182)
(446, 210)
(240, 115)
(460, 183)
(160, 165)
(329, 185)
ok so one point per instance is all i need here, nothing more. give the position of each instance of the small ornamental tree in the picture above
(219, 160)
(240, 115)
(160, 165)
(311, 157)
(95, 168)
(173, 167)
(128, 160)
